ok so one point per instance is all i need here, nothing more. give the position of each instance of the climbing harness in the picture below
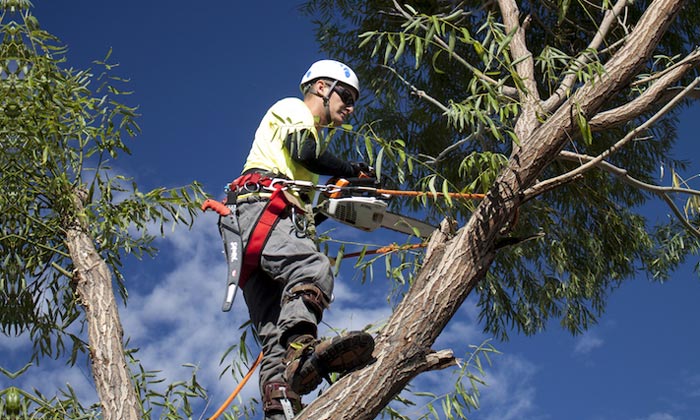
(354, 202)
(242, 262)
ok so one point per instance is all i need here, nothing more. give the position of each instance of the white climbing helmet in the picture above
(331, 69)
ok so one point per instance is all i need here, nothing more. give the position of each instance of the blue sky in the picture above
(203, 74)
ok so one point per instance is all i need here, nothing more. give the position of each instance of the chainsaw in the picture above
(365, 212)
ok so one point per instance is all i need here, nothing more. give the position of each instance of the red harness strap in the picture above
(261, 233)
(272, 212)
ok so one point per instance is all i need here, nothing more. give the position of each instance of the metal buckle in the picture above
(250, 187)
(301, 224)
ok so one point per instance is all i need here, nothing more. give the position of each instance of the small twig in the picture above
(419, 93)
(660, 191)
(689, 59)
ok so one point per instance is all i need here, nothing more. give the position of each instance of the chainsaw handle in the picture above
(339, 183)
(217, 206)
(340, 186)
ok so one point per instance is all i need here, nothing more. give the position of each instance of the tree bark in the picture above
(454, 266)
(93, 282)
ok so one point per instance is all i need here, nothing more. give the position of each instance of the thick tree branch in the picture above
(456, 266)
(93, 282)
(525, 67)
(552, 183)
(438, 360)
(567, 84)
(657, 94)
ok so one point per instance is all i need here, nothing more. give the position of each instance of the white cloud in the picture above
(660, 416)
(587, 342)
(179, 320)
(462, 331)
(510, 390)
(692, 385)
(509, 393)
(14, 343)
(173, 316)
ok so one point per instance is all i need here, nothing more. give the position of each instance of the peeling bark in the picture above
(93, 282)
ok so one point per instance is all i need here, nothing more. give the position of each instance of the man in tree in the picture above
(287, 283)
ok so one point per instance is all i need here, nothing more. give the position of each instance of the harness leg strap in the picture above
(312, 296)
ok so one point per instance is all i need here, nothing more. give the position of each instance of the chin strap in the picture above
(326, 100)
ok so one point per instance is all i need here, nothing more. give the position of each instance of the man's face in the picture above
(341, 103)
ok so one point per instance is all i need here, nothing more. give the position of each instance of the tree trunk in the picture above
(94, 288)
(454, 266)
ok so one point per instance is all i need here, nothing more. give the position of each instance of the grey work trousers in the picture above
(289, 258)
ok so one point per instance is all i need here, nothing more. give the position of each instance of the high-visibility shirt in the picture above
(287, 116)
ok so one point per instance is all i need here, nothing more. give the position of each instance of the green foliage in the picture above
(60, 128)
(159, 400)
(166, 401)
(456, 404)
(18, 404)
(241, 362)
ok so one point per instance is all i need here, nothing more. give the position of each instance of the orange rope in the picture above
(466, 196)
(235, 392)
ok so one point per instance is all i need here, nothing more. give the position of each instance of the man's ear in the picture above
(321, 87)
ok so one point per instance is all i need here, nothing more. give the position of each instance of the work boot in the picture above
(310, 360)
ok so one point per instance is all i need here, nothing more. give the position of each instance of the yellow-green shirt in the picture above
(268, 152)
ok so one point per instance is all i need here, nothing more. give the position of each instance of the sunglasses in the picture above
(346, 95)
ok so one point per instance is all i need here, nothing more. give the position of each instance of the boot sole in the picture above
(347, 353)
(343, 354)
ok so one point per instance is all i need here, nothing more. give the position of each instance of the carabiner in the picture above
(275, 181)
(300, 225)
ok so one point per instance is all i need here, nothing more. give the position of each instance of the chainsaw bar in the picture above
(407, 225)
(370, 213)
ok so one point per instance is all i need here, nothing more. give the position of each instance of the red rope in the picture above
(385, 250)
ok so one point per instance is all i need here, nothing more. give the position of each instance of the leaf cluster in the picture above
(166, 401)
(159, 400)
(456, 404)
(60, 128)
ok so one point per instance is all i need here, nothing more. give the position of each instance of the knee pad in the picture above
(312, 297)
(278, 394)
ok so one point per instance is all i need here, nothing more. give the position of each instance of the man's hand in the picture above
(361, 168)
